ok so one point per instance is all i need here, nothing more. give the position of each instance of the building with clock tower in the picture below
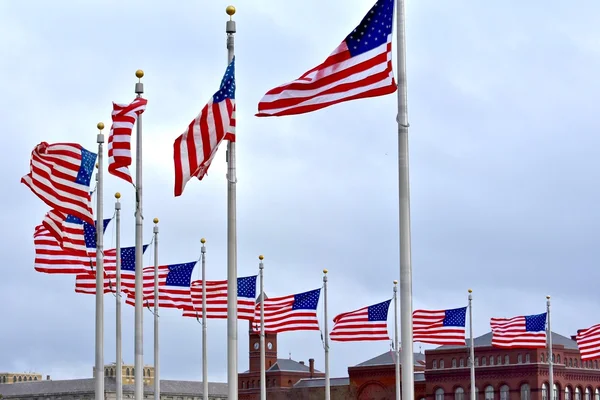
(281, 373)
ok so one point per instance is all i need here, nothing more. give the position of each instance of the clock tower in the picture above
(254, 351)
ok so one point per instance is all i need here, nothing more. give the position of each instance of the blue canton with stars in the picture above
(379, 312)
(306, 300)
(247, 287)
(535, 323)
(456, 317)
(227, 88)
(128, 257)
(88, 162)
(180, 274)
(89, 231)
(373, 30)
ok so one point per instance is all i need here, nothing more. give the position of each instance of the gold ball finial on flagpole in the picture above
(395, 282)
(202, 240)
(139, 74)
(230, 10)
(325, 271)
(470, 291)
(155, 220)
(100, 126)
(117, 195)
(261, 257)
(96, 165)
(548, 297)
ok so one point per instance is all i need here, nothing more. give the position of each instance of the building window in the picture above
(499, 360)
(519, 358)
(489, 393)
(127, 370)
(588, 394)
(558, 358)
(461, 362)
(4, 379)
(441, 362)
(434, 366)
(14, 379)
(555, 392)
(542, 357)
(506, 360)
(527, 359)
(544, 392)
(483, 361)
(476, 361)
(525, 392)
(459, 394)
(597, 394)
(504, 392)
(439, 394)
(570, 362)
(577, 393)
(553, 358)
(596, 364)
(20, 378)
(575, 363)
(491, 360)
(567, 393)
(453, 361)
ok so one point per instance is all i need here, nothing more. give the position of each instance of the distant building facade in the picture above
(14, 377)
(128, 373)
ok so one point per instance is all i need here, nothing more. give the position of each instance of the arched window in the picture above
(575, 363)
(588, 393)
(476, 361)
(461, 362)
(544, 392)
(555, 393)
(20, 378)
(506, 359)
(14, 379)
(597, 394)
(577, 393)
(253, 380)
(491, 360)
(483, 361)
(106, 372)
(434, 365)
(499, 360)
(30, 379)
(525, 393)
(454, 363)
(596, 364)
(4, 379)
(489, 393)
(290, 381)
(504, 392)
(459, 394)
(439, 394)
(542, 357)
(441, 362)
(527, 359)
(553, 358)
(519, 358)
(243, 385)
(127, 370)
(567, 393)
(558, 358)
(570, 362)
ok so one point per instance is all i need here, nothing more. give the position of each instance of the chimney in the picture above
(301, 362)
(47, 377)
(311, 366)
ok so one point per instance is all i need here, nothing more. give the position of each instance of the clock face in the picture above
(270, 345)
(256, 346)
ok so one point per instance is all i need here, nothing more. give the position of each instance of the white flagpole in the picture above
(406, 307)
(156, 321)
(472, 346)
(326, 338)
(232, 325)
(204, 355)
(263, 371)
(139, 255)
(119, 360)
(99, 383)
(549, 346)
(396, 344)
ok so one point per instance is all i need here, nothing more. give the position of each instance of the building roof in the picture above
(387, 358)
(320, 382)
(73, 386)
(486, 341)
(287, 365)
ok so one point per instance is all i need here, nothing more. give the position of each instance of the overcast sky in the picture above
(504, 145)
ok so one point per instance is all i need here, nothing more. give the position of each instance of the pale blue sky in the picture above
(503, 153)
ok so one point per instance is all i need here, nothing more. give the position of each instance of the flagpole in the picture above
(396, 344)
(99, 269)
(326, 339)
(263, 372)
(204, 355)
(119, 360)
(139, 255)
(156, 309)
(472, 346)
(406, 323)
(550, 358)
(232, 328)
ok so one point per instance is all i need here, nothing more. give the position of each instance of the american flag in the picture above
(440, 326)
(60, 175)
(360, 67)
(86, 283)
(71, 232)
(194, 150)
(216, 299)
(124, 117)
(174, 287)
(50, 258)
(588, 341)
(296, 312)
(367, 323)
(522, 332)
